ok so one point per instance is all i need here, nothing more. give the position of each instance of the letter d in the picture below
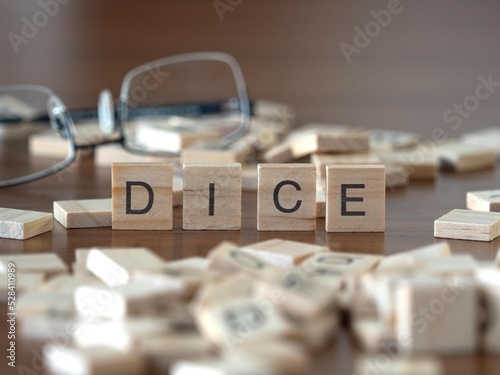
(151, 197)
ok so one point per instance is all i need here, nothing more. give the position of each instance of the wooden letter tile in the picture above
(88, 213)
(286, 197)
(22, 224)
(468, 225)
(142, 196)
(212, 196)
(355, 198)
(485, 200)
(49, 264)
(283, 253)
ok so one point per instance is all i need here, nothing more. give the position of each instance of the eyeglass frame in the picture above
(62, 120)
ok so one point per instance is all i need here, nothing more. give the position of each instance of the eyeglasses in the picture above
(201, 93)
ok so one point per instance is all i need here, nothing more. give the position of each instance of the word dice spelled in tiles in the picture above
(142, 196)
(286, 197)
(22, 224)
(212, 196)
(468, 225)
(88, 213)
(355, 198)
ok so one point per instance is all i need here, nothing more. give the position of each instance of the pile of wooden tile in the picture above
(264, 308)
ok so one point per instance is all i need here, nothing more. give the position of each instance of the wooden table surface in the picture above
(429, 57)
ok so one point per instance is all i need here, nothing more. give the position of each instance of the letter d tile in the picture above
(142, 196)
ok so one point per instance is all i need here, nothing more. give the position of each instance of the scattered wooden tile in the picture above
(285, 357)
(142, 196)
(372, 334)
(281, 153)
(242, 320)
(107, 155)
(329, 138)
(227, 258)
(212, 152)
(68, 283)
(489, 290)
(298, 297)
(484, 200)
(458, 265)
(88, 213)
(24, 282)
(414, 258)
(65, 360)
(436, 315)
(286, 197)
(317, 334)
(339, 264)
(212, 196)
(419, 163)
(136, 298)
(460, 157)
(49, 264)
(182, 276)
(116, 266)
(124, 336)
(45, 325)
(322, 160)
(389, 140)
(162, 351)
(355, 198)
(468, 225)
(374, 365)
(396, 176)
(23, 224)
(283, 253)
(487, 137)
(214, 365)
(34, 303)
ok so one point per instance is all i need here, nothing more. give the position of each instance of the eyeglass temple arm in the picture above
(195, 109)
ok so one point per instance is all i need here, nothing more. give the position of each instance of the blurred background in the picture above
(422, 56)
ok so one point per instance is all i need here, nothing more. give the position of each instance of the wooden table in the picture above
(422, 63)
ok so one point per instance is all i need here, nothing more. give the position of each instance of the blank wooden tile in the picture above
(136, 298)
(420, 164)
(484, 200)
(286, 357)
(182, 276)
(460, 264)
(283, 253)
(88, 213)
(387, 365)
(162, 351)
(355, 198)
(49, 264)
(487, 137)
(23, 224)
(460, 157)
(212, 196)
(65, 360)
(281, 153)
(147, 202)
(227, 258)
(389, 140)
(489, 288)
(286, 197)
(209, 152)
(115, 266)
(435, 315)
(468, 225)
(396, 176)
(414, 258)
(329, 138)
(106, 155)
(34, 303)
(124, 336)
